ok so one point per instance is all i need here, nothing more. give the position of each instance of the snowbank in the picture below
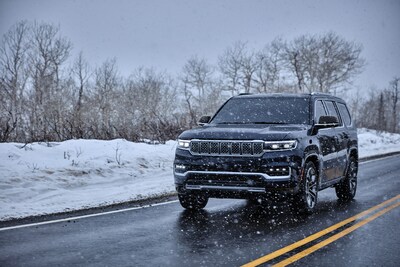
(371, 142)
(43, 178)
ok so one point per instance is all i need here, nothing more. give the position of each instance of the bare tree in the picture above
(355, 105)
(230, 64)
(148, 105)
(197, 74)
(81, 71)
(323, 62)
(198, 84)
(367, 115)
(295, 62)
(49, 50)
(381, 122)
(270, 66)
(394, 96)
(238, 67)
(188, 104)
(104, 97)
(13, 80)
(248, 67)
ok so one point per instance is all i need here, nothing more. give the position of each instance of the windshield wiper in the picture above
(233, 122)
(251, 122)
(266, 122)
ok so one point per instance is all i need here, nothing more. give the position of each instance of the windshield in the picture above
(288, 110)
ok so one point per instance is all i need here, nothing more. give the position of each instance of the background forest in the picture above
(47, 95)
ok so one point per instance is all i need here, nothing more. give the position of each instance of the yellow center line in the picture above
(317, 235)
(333, 238)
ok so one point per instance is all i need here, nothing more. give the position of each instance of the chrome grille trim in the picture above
(235, 148)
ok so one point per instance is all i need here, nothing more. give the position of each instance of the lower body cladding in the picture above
(237, 177)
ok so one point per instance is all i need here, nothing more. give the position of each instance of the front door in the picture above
(328, 145)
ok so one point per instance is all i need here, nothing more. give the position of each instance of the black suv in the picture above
(272, 146)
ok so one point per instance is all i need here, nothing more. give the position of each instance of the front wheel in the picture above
(346, 189)
(306, 200)
(192, 202)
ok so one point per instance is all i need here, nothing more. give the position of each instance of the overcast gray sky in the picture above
(165, 33)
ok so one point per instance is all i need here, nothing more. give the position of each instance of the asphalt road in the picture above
(226, 233)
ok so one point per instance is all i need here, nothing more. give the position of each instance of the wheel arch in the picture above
(352, 153)
(314, 158)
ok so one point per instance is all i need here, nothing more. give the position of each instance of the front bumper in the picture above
(224, 176)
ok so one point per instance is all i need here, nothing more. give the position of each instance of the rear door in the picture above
(327, 141)
(343, 137)
(338, 142)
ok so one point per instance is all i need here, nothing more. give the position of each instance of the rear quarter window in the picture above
(344, 113)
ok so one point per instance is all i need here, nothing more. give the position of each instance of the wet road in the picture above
(226, 233)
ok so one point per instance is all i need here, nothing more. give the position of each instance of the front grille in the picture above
(225, 180)
(227, 148)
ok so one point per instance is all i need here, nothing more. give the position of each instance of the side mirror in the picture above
(204, 120)
(327, 122)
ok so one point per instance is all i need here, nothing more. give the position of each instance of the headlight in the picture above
(280, 145)
(184, 144)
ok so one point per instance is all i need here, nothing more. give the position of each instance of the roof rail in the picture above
(320, 93)
(245, 94)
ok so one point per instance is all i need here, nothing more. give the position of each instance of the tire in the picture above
(306, 200)
(192, 202)
(347, 188)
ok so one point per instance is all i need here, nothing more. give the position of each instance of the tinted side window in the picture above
(319, 110)
(331, 109)
(344, 112)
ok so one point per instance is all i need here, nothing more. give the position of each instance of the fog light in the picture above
(278, 171)
(180, 168)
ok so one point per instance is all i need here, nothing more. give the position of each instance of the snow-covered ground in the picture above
(371, 142)
(43, 178)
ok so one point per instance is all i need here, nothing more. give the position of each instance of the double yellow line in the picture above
(327, 241)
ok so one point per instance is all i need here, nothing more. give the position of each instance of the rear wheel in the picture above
(306, 200)
(192, 202)
(346, 189)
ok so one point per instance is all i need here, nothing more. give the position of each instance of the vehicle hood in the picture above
(246, 132)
